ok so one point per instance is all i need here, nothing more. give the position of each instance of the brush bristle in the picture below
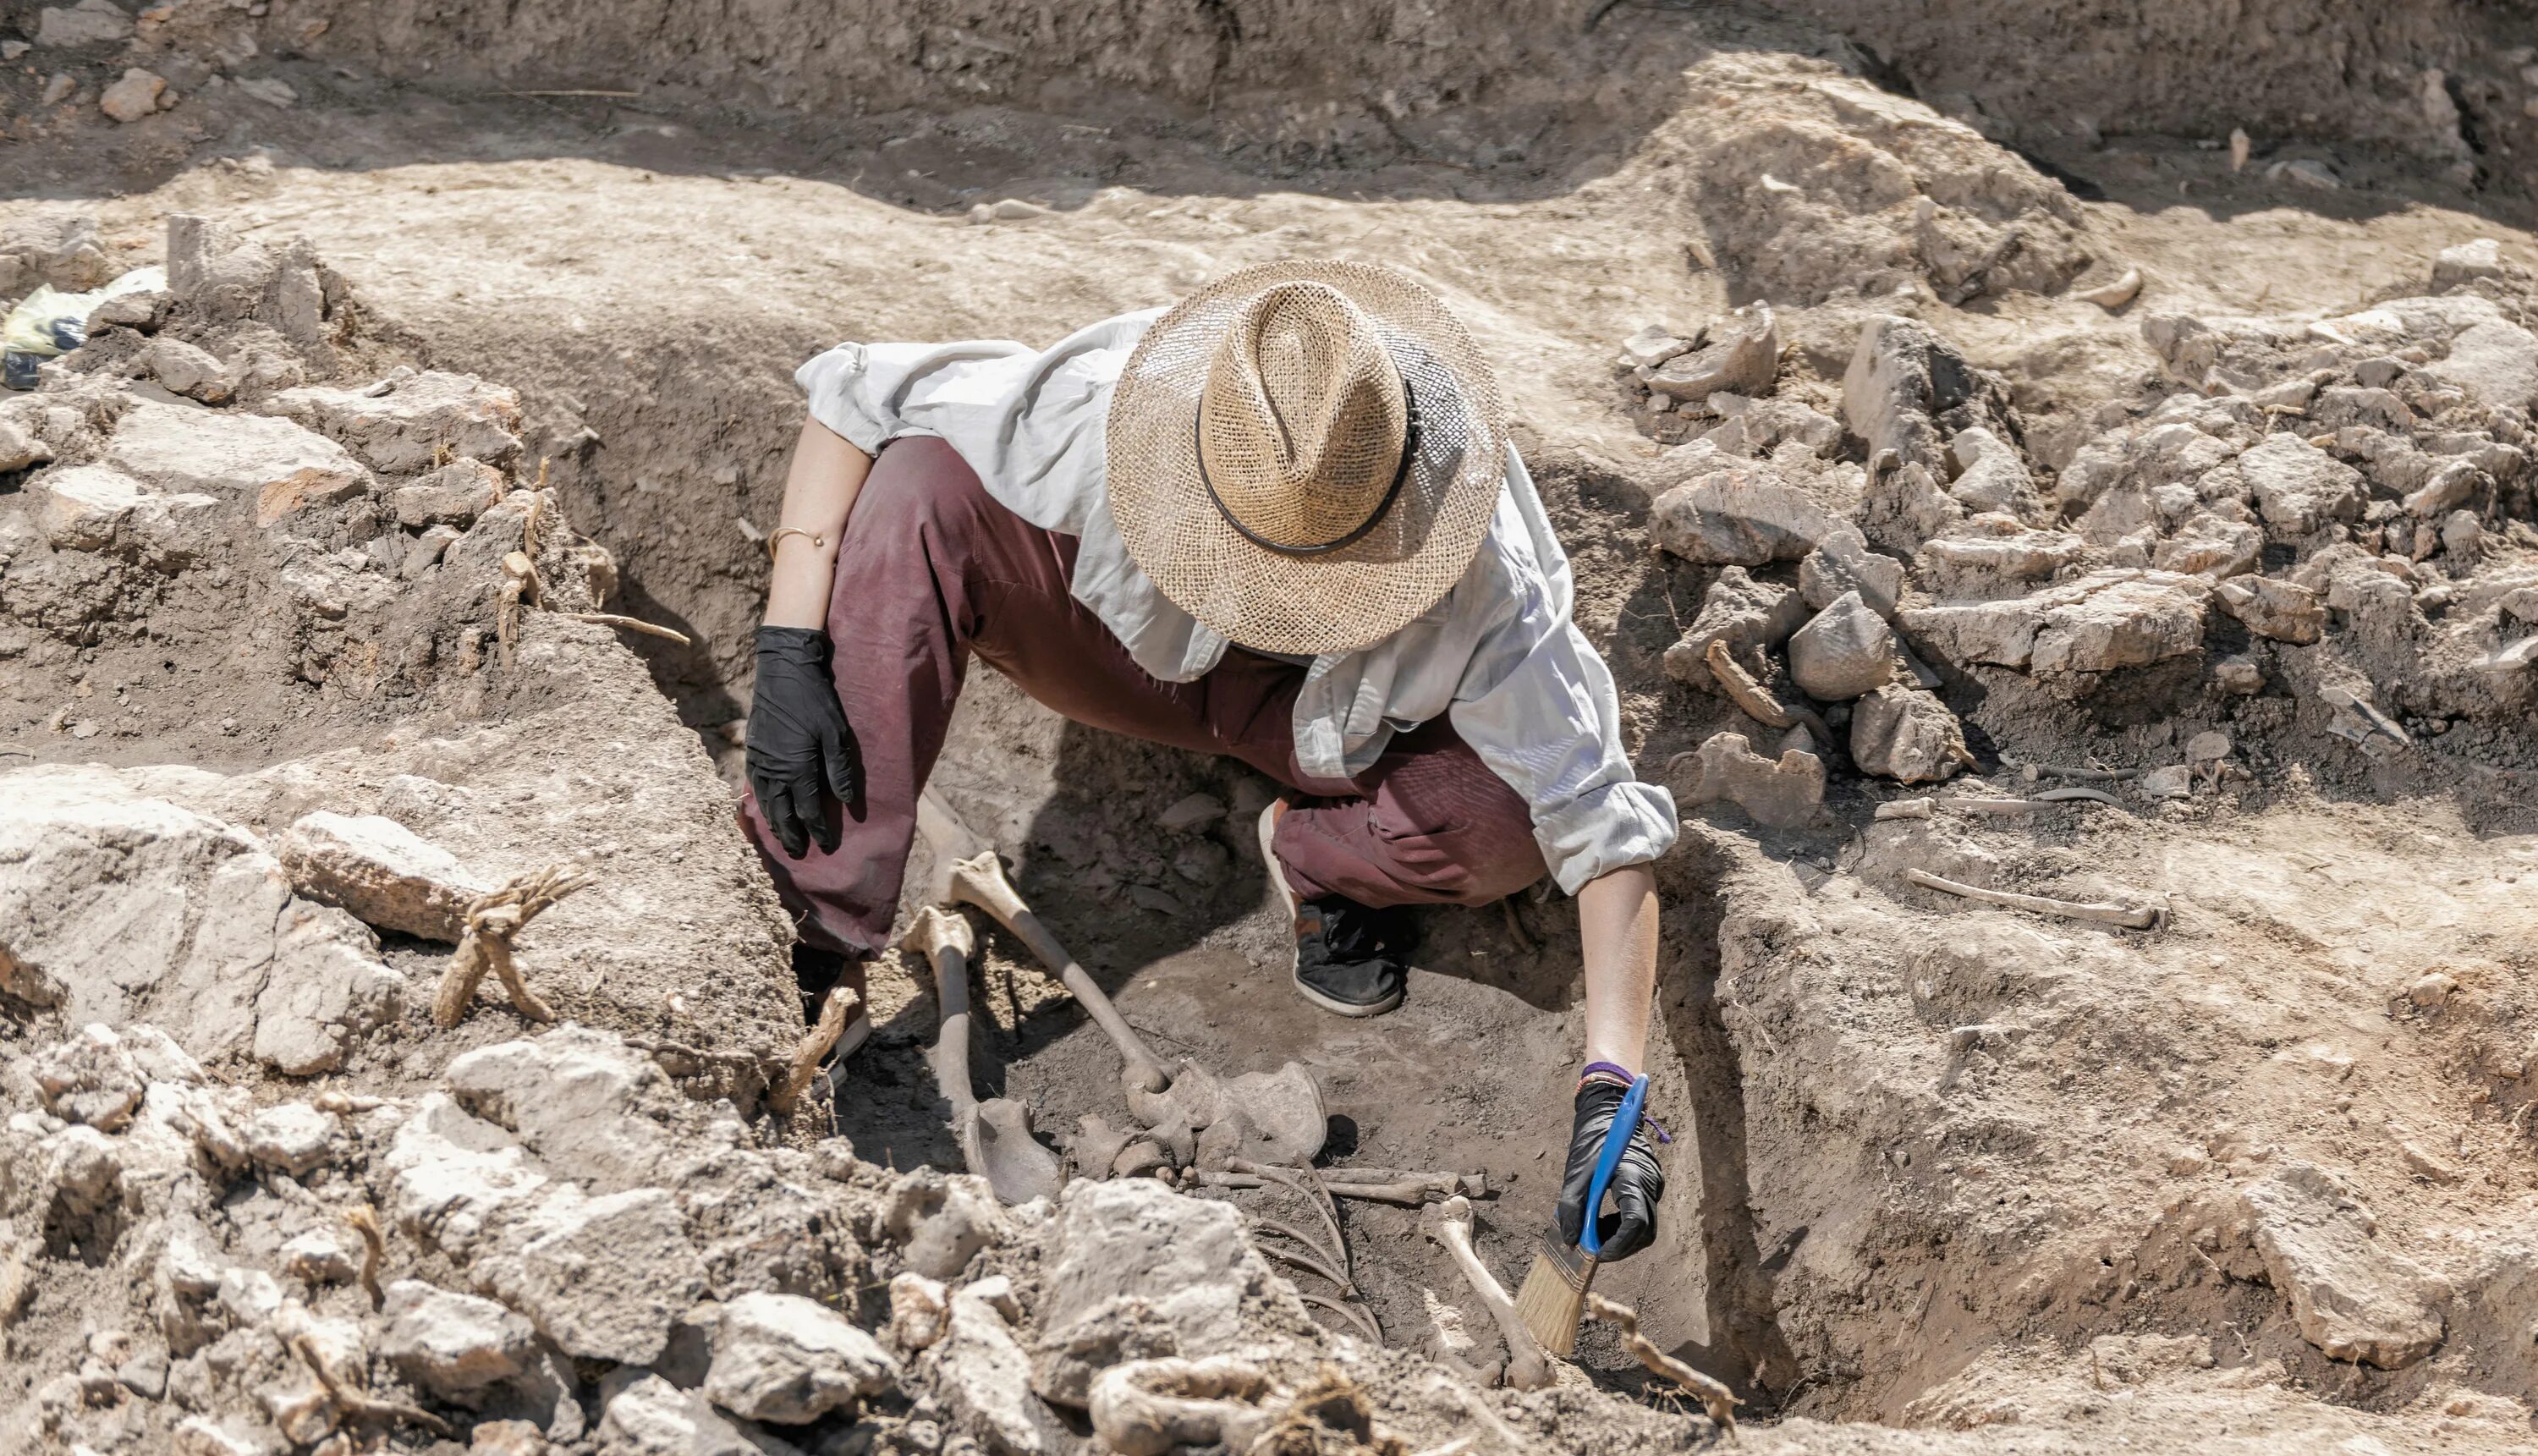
(1553, 1297)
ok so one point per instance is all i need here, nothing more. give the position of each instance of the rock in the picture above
(188, 370)
(455, 1177)
(2209, 746)
(90, 1078)
(86, 508)
(290, 1136)
(87, 23)
(1989, 474)
(2207, 546)
(323, 991)
(1185, 1259)
(2462, 540)
(2354, 1299)
(137, 94)
(380, 871)
(2239, 675)
(1651, 346)
(318, 1257)
(1845, 652)
(650, 1417)
(2462, 262)
(1749, 616)
(1739, 353)
(2175, 781)
(1190, 812)
(425, 550)
(941, 1220)
(2098, 622)
(276, 93)
(2494, 362)
(1843, 563)
(1755, 428)
(453, 496)
(2271, 607)
(451, 1344)
(282, 467)
(2449, 487)
(1738, 516)
(986, 1381)
(197, 1437)
(1973, 563)
(918, 1308)
(1786, 794)
(580, 1099)
(20, 448)
(1900, 375)
(2318, 177)
(1906, 734)
(2300, 487)
(785, 1358)
(2431, 990)
(410, 423)
(603, 1278)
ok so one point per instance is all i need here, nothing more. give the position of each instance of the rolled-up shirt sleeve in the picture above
(1538, 705)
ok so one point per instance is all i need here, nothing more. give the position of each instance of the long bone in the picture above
(980, 881)
(1527, 1367)
(995, 1134)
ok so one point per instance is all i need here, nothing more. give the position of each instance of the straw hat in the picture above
(1304, 455)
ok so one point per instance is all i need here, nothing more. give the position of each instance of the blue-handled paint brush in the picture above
(1554, 1296)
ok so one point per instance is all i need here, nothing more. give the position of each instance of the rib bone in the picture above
(980, 881)
(1528, 1369)
(2131, 918)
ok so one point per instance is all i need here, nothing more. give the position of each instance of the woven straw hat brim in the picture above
(1345, 599)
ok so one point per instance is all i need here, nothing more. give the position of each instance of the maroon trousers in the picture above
(934, 570)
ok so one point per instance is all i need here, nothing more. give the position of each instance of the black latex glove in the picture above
(798, 738)
(1636, 1183)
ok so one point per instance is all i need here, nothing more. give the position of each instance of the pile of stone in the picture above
(2340, 509)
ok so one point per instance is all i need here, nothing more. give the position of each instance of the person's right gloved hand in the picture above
(799, 741)
(1637, 1180)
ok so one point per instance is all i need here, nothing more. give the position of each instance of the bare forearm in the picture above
(1617, 923)
(820, 494)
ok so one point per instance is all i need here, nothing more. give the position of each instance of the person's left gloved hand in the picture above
(799, 742)
(1636, 1183)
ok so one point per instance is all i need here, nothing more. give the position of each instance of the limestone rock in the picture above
(941, 1222)
(453, 1343)
(2271, 607)
(290, 1136)
(986, 1381)
(89, 1079)
(1900, 375)
(2300, 487)
(279, 466)
(1739, 353)
(1747, 615)
(412, 422)
(1651, 346)
(1993, 554)
(918, 1308)
(380, 871)
(2098, 622)
(787, 1360)
(2209, 546)
(1989, 475)
(2496, 361)
(453, 496)
(1783, 794)
(650, 1417)
(2352, 1299)
(2451, 486)
(1738, 516)
(187, 371)
(455, 1177)
(604, 1277)
(1132, 1238)
(136, 96)
(1845, 652)
(1758, 426)
(1843, 563)
(577, 1096)
(86, 23)
(2462, 262)
(1906, 734)
(318, 1257)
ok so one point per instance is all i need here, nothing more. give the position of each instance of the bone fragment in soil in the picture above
(2131, 918)
(1714, 1397)
(815, 1044)
(1973, 804)
(1410, 1190)
(1755, 700)
(1147, 1407)
(979, 879)
(629, 624)
(995, 1136)
(492, 922)
(1527, 1367)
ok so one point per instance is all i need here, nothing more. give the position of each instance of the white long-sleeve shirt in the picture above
(1499, 654)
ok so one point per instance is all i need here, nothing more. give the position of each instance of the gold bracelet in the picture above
(782, 532)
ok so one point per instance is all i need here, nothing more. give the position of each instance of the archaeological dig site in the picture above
(1268, 727)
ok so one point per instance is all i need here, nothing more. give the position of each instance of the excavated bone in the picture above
(1147, 1407)
(2131, 918)
(1527, 1368)
(1097, 1146)
(980, 881)
(995, 1136)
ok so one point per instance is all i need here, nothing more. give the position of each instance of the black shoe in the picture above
(1351, 960)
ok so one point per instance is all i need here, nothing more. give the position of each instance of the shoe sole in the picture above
(1342, 1008)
